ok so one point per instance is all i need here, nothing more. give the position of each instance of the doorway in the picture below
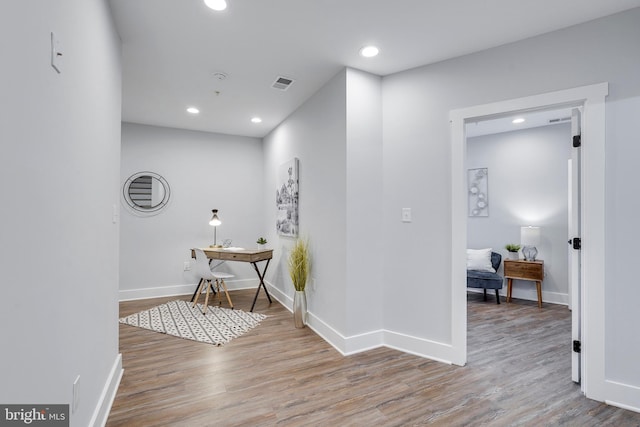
(525, 162)
(591, 99)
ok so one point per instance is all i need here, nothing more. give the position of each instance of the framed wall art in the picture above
(287, 199)
(478, 192)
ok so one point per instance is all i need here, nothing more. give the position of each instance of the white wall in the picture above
(527, 186)
(315, 134)
(337, 137)
(205, 171)
(59, 179)
(417, 145)
(363, 209)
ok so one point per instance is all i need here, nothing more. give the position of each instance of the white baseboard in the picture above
(528, 294)
(419, 347)
(101, 413)
(184, 289)
(623, 396)
(381, 338)
(334, 338)
(368, 340)
(285, 300)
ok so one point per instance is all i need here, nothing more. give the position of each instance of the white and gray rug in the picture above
(218, 326)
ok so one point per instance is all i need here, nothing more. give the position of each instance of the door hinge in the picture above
(576, 243)
(577, 141)
(577, 346)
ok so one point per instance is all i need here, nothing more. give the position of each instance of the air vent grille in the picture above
(282, 83)
(563, 119)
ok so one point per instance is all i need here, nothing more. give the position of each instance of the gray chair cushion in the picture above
(486, 279)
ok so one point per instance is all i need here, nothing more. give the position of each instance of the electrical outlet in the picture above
(186, 266)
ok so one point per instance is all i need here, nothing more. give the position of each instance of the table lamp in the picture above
(215, 222)
(529, 238)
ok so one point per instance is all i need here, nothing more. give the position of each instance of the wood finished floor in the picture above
(518, 374)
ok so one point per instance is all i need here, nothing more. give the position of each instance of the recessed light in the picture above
(369, 51)
(518, 121)
(218, 5)
(192, 110)
(256, 120)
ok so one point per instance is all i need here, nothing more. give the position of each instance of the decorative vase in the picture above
(262, 246)
(512, 255)
(300, 309)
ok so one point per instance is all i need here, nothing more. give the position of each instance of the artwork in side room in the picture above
(287, 199)
(478, 192)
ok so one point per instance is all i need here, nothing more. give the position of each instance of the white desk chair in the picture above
(204, 271)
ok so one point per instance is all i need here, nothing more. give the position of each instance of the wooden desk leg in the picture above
(539, 287)
(261, 277)
(509, 287)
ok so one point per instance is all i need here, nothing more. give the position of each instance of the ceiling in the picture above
(173, 48)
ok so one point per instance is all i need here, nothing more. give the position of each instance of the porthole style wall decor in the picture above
(146, 193)
(478, 191)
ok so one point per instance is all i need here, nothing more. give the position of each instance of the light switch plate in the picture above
(406, 214)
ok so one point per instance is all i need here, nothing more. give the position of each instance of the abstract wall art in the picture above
(478, 192)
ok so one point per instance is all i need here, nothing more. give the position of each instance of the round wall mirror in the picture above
(146, 192)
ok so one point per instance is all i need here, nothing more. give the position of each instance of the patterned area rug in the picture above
(178, 318)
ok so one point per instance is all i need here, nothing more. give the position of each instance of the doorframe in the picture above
(592, 99)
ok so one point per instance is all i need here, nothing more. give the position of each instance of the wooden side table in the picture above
(524, 270)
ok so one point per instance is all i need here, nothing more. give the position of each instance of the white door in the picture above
(573, 247)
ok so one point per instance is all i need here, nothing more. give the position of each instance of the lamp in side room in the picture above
(215, 222)
(529, 238)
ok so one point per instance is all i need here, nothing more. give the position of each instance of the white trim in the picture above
(529, 294)
(623, 396)
(428, 349)
(174, 290)
(365, 342)
(458, 241)
(327, 333)
(323, 330)
(593, 281)
(105, 402)
(593, 99)
(354, 344)
(348, 346)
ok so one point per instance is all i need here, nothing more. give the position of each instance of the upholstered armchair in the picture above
(487, 279)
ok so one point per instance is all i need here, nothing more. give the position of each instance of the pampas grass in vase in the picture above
(299, 264)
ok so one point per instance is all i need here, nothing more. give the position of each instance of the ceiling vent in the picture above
(563, 119)
(282, 83)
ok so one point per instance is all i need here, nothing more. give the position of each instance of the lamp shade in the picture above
(215, 221)
(529, 236)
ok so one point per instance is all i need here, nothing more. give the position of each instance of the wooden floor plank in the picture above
(518, 374)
